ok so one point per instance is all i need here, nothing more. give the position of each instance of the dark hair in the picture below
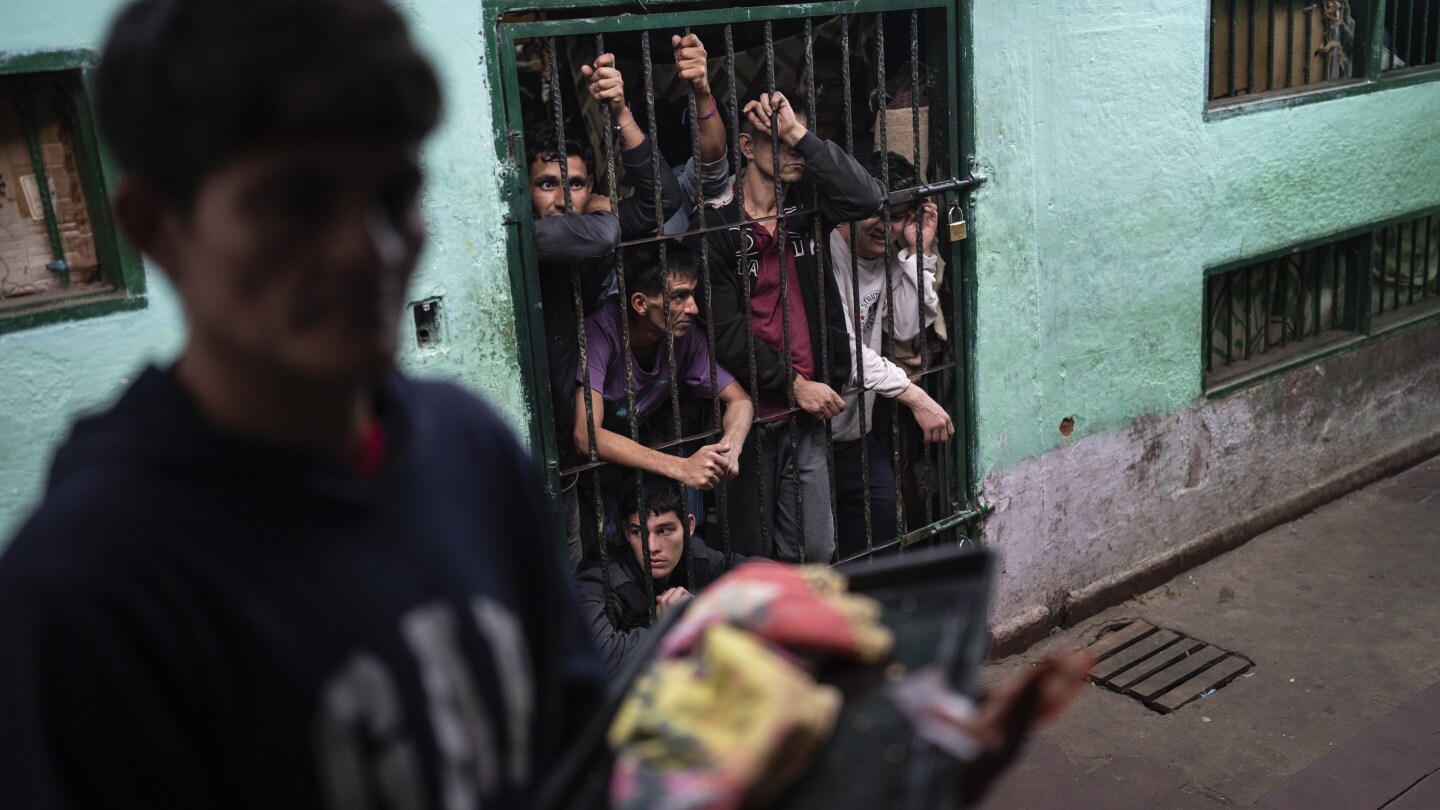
(186, 85)
(902, 171)
(661, 495)
(644, 274)
(798, 103)
(543, 144)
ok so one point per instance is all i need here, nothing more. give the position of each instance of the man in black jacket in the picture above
(581, 242)
(670, 565)
(279, 573)
(768, 289)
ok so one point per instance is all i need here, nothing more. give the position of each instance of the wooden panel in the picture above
(1213, 678)
(1176, 673)
(1134, 654)
(1111, 643)
(1157, 662)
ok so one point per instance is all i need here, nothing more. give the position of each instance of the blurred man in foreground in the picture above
(278, 573)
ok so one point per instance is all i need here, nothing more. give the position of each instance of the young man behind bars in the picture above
(584, 239)
(669, 564)
(279, 573)
(783, 313)
(870, 257)
(644, 314)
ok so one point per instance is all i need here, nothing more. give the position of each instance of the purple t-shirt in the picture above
(652, 385)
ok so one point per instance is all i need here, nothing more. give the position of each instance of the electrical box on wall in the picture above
(428, 325)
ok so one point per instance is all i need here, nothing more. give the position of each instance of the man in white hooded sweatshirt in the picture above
(859, 259)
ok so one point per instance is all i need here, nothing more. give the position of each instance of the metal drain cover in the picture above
(1161, 668)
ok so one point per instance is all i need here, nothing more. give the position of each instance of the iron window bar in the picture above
(1304, 45)
(1265, 315)
(1412, 36)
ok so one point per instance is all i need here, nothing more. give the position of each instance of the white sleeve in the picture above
(902, 281)
(881, 375)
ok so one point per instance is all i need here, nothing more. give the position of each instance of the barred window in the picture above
(813, 289)
(59, 257)
(1412, 34)
(1269, 46)
(1285, 309)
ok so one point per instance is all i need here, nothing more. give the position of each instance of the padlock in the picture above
(957, 224)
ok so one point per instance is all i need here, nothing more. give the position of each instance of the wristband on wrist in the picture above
(626, 124)
(714, 108)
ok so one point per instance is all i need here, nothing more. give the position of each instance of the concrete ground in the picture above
(1340, 612)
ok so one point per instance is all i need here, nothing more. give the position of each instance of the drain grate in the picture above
(1161, 668)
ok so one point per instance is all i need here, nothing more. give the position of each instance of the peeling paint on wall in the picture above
(1115, 499)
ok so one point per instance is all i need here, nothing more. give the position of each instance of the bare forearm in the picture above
(622, 450)
(627, 128)
(712, 129)
(739, 413)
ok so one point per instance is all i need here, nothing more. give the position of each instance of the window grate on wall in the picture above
(1405, 270)
(868, 93)
(59, 256)
(1269, 314)
(1263, 313)
(1268, 46)
(1412, 34)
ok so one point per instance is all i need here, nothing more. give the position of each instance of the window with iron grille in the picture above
(59, 258)
(866, 93)
(1412, 34)
(1289, 308)
(1260, 47)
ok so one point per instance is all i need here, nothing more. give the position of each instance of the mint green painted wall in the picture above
(52, 373)
(1109, 194)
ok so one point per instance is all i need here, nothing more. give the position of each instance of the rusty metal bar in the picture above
(1230, 64)
(717, 420)
(742, 259)
(923, 533)
(1309, 23)
(889, 335)
(648, 73)
(859, 358)
(1289, 43)
(1270, 50)
(923, 469)
(820, 252)
(558, 112)
(1250, 83)
(782, 229)
(26, 107)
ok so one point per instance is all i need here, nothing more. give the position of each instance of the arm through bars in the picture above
(701, 470)
(637, 212)
(846, 191)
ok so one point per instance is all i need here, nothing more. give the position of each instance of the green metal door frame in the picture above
(500, 38)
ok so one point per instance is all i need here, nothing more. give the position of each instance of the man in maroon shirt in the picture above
(767, 280)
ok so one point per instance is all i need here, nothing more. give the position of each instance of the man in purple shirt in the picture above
(604, 379)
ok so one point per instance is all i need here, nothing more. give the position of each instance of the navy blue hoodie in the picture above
(194, 620)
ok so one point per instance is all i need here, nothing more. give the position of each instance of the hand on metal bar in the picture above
(817, 399)
(607, 87)
(761, 110)
(934, 422)
(929, 222)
